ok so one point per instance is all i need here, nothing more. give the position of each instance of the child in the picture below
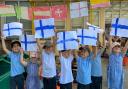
(96, 71)
(66, 77)
(17, 69)
(115, 66)
(48, 64)
(32, 81)
(84, 68)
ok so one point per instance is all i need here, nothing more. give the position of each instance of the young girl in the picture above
(115, 67)
(84, 68)
(32, 81)
(96, 71)
(48, 64)
(66, 77)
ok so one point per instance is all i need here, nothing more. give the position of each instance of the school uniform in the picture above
(96, 72)
(115, 72)
(49, 70)
(17, 69)
(66, 77)
(84, 72)
(32, 81)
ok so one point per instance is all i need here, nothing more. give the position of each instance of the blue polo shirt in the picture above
(97, 66)
(84, 70)
(16, 67)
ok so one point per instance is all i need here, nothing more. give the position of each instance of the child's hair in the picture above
(85, 49)
(47, 44)
(15, 42)
(62, 50)
(80, 48)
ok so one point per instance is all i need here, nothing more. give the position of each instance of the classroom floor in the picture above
(104, 63)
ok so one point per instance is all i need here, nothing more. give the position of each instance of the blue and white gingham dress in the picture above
(115, 72)
(32, 81)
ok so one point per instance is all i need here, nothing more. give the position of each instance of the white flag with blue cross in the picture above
(67, 40)
(12, 29)
(28, 42)
(95, 28)
(87, 37)
(79, 9)
(119, 27)
(44, 28)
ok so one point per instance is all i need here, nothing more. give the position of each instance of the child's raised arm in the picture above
(110, 45)
(40, 45)
(22, 58)
(54, 39)
(74, 53)
(125, 48)
(102, 47)
(95, 51)
(4, 45)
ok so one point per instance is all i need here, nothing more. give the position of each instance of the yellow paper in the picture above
(99, 3)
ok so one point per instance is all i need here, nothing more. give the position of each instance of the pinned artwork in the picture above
(99, 3)
(7, 10)
(42, 12)
(79, 9)
(59, 12)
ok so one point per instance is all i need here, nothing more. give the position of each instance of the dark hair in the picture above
(81, 48)
(62, 50)
(85, 49)
(15, 42)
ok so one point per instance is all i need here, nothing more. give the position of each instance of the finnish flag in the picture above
(119, 27)
(44, 28)
(12, 29)
(67, 40)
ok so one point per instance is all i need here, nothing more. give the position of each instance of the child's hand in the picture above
(21, 50)
(78, 40)
(2, 37)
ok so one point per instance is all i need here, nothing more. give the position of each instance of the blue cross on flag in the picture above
(67, 40)
(87, 37)
(12, 29)
(44, 28)
(119, 27)
(28, 42)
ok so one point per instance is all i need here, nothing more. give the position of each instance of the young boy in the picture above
(48, 64)
(17, 69)
(84, 61)
(96, 71)
(115, 72)
(66, 77)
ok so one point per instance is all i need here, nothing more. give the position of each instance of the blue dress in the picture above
(115, 72)
(32, 81)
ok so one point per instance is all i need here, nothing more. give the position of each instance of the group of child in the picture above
(89, 67)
